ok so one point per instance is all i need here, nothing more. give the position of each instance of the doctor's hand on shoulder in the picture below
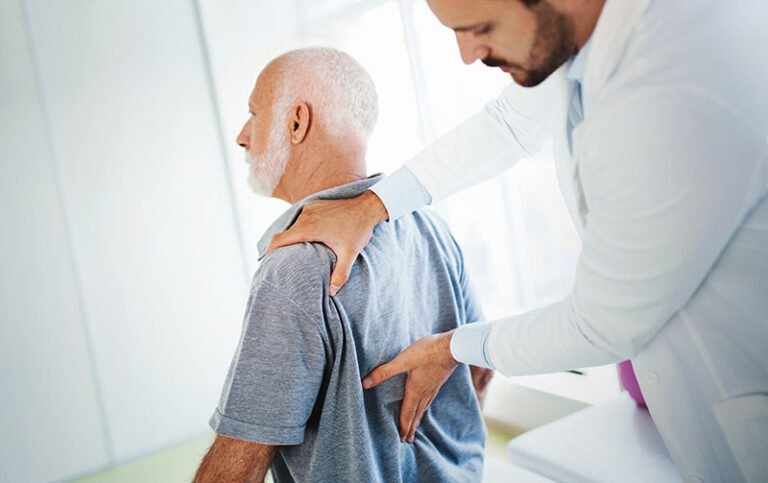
(344, 226)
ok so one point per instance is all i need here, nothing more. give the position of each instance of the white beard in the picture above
(266, 169)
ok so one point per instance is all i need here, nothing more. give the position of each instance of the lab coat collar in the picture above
(600, 56)
(349, 190)
(609, 42)
(578, 66)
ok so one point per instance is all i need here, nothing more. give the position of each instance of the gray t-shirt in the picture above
(295, 380)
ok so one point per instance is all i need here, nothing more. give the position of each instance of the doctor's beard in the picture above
(266, 169)
(553, 45)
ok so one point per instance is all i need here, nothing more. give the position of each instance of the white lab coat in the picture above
(667, 186)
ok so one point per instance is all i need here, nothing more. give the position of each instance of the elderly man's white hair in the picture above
(341, 92)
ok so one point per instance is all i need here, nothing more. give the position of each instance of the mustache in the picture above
(498, 62)
(494, 61)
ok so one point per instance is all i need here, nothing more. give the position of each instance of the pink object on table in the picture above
(629, 382)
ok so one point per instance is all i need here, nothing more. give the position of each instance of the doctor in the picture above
(659, 111)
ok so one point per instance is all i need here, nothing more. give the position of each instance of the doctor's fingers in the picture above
(336, 224)
(310, 226)
(305, 229)
(345, 257)
(422, 408)
(420, 391)
(408, 412)
(344, 261)
(386, 371)
(294, 235)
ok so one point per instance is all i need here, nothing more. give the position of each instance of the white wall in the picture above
(52, 423)
(241, 36)
(123, 280)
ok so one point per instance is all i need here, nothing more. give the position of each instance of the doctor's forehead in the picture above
(463, 15)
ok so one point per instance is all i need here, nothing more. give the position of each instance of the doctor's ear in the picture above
(299, 122)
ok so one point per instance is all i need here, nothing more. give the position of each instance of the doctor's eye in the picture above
(485, 29)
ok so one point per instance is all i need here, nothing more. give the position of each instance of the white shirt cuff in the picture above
(469, 344)
(402, 193)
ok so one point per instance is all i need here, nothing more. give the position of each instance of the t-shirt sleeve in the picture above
(473, 309)
(276, 373)
(472, 306)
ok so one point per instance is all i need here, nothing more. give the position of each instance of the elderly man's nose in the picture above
(242, 138)
(469, 48)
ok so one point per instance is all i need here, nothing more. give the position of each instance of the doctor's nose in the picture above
(470, 49)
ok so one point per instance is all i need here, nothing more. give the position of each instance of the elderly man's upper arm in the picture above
(276, 374)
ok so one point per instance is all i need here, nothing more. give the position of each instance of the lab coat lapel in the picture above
(609, 42)
(564, 161)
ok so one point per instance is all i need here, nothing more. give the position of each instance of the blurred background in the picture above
(129, 234)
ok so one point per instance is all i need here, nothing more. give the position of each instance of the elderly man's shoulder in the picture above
(430, 223)
(297, 268)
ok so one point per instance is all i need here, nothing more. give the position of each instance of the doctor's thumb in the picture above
(341, 271)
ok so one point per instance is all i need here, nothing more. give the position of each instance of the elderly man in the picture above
(293, 397)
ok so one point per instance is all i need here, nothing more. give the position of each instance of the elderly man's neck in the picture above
(321, 167)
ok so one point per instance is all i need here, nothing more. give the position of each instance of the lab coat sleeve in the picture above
(511, 127)
(667, 178)
(401, 193)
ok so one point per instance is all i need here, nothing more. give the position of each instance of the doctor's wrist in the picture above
(444, 352)
(373, 207)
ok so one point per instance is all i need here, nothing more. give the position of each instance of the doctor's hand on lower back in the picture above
(428, 363)
(344, 226)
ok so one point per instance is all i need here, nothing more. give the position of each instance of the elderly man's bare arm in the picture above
(235, 460)
(344, 226)
(481, 377)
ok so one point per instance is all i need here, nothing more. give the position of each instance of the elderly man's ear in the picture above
(299, 122)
